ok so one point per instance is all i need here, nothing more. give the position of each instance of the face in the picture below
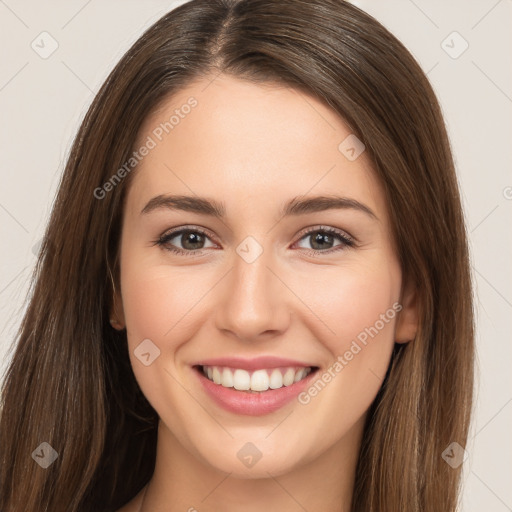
(281, 291)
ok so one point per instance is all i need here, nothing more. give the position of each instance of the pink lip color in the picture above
(252, 404)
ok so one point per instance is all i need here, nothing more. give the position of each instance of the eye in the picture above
(193, 240)
(322, 239)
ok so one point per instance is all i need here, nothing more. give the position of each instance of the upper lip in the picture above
(256, 363)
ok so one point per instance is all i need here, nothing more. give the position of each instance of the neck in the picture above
(183, 482)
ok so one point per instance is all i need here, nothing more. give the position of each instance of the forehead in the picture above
(234, 139)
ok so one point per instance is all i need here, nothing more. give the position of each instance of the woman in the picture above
(256, 367)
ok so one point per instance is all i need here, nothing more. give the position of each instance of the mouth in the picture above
(253, 392)
(255, 381)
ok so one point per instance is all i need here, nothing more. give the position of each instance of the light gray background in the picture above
(43, 100)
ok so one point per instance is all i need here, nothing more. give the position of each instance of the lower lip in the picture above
(252, 404)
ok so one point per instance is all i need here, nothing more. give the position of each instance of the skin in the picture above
(241, 141)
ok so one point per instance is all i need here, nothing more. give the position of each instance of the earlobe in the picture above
(117, 320)
(407, 319)
(115, 324)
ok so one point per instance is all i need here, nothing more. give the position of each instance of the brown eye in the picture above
(322, 240)
(190, 240)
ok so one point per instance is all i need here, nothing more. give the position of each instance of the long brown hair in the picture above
(70, 382)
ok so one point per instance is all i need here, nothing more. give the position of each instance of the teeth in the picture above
(276, 379)
(227, 378)
(217, 378)
(288, 377)
(259, 380)
(241, 380)
(299, 375)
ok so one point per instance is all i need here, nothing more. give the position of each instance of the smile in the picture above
(255, 381)
(253, 387)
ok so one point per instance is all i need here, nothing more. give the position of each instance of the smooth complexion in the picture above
(252, 149)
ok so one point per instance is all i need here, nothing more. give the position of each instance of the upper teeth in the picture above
(259, 380)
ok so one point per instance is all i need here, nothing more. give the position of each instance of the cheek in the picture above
(349, 303)
(161, 305)
(359, 306)
(159, 302)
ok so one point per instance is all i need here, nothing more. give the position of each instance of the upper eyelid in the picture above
(177, 231)
(320, 227)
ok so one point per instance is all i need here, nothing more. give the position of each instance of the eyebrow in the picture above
(296, 206)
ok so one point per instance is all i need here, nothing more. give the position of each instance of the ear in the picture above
(117, 319)
(407, 320)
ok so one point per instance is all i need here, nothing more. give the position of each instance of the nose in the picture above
(253, 302)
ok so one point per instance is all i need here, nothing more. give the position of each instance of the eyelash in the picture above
(347, 241)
